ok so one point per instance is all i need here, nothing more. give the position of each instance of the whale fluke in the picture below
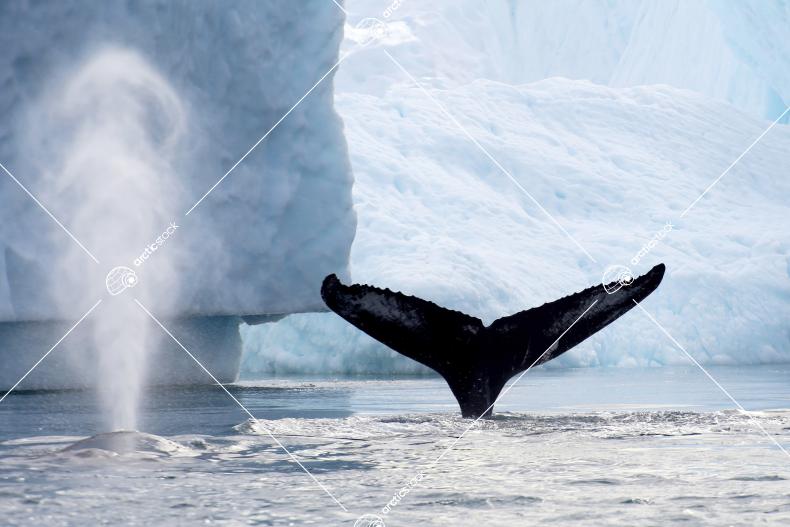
(477, 360)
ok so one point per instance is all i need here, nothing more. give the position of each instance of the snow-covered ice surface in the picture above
(591, 450)
(633, 125)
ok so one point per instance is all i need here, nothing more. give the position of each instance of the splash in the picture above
(109, 138)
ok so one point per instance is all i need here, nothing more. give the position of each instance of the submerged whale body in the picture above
(477, 360)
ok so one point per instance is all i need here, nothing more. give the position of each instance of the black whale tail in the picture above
(477, 360)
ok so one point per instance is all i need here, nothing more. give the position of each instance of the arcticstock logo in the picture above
(394, 6)
(369, 30)
(369, 520)
(657, 237)
(402, 493)
(615, 277)
(151, 248)
(121, 278)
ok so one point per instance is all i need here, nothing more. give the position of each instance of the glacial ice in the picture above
(198, 83)
(119, 117)
(724, 49)
(643, 123)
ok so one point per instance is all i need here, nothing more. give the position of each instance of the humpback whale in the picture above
(477, 360)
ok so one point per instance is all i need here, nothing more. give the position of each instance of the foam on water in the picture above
(614, 468)
(596, 446)
(129, 441)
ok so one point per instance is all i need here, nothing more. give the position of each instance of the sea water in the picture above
(590, 446)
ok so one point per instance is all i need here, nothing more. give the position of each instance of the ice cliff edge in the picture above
(190, 145)
(119, 119)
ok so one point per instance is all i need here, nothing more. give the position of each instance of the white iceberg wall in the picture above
(612, 164)
(682, 43)
(514, 42)
(264, 238)
(759, 35)
(317, 344)
(719, 48)
(437, 219)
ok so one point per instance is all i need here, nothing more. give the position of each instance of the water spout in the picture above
(108, 137)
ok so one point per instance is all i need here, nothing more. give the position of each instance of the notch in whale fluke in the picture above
(477, 360)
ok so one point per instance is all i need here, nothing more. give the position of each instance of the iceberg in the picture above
(133, 125)
(614, 128)
(205, 81)
(728, 50)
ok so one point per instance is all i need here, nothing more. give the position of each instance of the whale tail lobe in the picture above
(477, 360)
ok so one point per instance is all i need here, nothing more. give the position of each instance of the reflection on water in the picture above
(616, 447)
(167, 411)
